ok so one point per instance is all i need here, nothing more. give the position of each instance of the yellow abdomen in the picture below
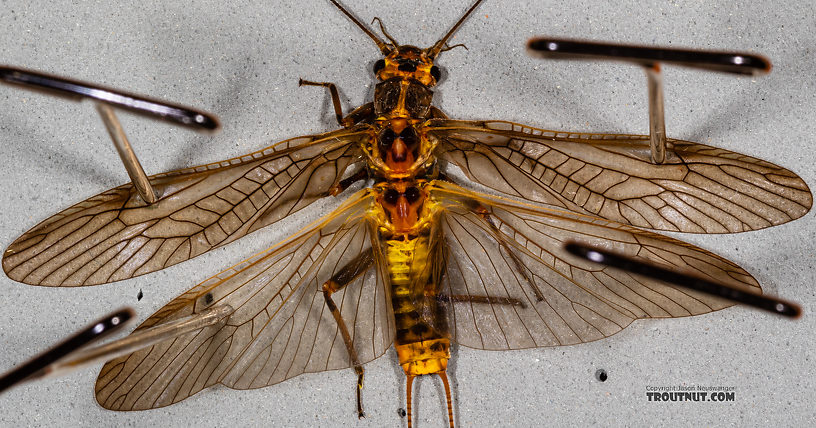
(422, 340)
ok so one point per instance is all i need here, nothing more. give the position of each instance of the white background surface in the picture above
(243, 64)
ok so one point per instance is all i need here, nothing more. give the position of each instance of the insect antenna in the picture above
(439, 46)
(385, 33)
(458, 45)
(384, 48)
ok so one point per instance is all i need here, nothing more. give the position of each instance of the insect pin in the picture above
(413, 258)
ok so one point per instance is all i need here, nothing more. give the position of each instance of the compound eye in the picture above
(391, 196)
(411, 194)
(379, 65)
(436, 73)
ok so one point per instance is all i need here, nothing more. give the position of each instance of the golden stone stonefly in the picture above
(414, 260)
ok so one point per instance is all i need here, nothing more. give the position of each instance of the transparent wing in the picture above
(280, 328)
(115, 236)
(514, 286)
(701, 189)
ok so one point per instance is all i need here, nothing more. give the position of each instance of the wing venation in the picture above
(700, 189)
(114, 236)
(509, 251)
(280, 327)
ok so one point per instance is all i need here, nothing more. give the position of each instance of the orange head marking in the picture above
(408, 62)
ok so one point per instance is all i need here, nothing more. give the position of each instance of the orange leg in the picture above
(335, 96)
(359, 114)
(344, 277)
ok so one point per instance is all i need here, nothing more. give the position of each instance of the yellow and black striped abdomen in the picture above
(422, 340)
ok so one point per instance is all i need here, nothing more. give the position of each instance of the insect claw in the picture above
(304, 82)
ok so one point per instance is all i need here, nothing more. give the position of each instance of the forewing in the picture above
(700, 189)
(543, 296)
(115, 236)
(280, 326)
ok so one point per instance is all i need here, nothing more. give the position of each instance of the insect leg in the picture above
(345, 276)
(338, 109)
(482, 212)
(457, 298)
(343, 184)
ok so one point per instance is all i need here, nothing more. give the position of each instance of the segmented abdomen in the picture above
(422, 340)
